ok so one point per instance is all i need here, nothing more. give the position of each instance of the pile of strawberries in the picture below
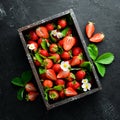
(58, 58)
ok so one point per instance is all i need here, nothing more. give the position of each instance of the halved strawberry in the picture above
(50, 26)
(63, 74)
(48, 63)
(65, 55)
(42, 32)
(29, 87)
(31, 96)
(62, 23)
(80, 75)
(48, 83)
(98, 37)
(74, 84)
(60, 82)
(50, 74)
(53, 48)
(69, 91)
(68, 42)
(76, 51)
(90, 28)
(56, 68)
(44, 52)
(33, 35)
(53, 94)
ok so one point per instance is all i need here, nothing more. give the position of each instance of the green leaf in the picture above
(101, 69)
(53, 58)
(58, 87)
(26, 76)
(60, 50)
(93, 51)
(20, 93)
(38, 57)
(46, 93)
(17, 81)
(86, 65)
(105, 58)
(64, 32)
(44, 44)
(42, 70)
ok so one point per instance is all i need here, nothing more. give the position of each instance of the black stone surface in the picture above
(104, 105)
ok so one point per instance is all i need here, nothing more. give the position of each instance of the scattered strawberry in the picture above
(90, 29)
(48, 83)
(37, 63)
(69, 91)
(50, 26)
(56, 68)
(76, 60)
(32, 45)
(63, 74)
(42, 32)
(50, 74)
(53, 94)
(44, 52)
(71, 77)
(60, 82)
(48, 63)
(31, 96)
(62, 23)
(55, 57)
(33, 35)
(80, 74)
(39, 41)
(53, 48)
(98, 37)
(69, 32)
(29, 87)
(43, 76)
(74, 84)
(65, 55)
(76, 51)
(68, 42)
(62, 94)
(60, 43)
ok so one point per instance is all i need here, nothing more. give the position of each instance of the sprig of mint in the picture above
(21, 82)
(100, 61)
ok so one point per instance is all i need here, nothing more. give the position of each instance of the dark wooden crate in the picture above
(53, 18)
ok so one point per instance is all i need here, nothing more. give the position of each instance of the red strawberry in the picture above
(62, 23)
(33, 35)
(48, 63)
(65, 55)
(60, 82)
(69, 32)
(50, 26)
(44, 52)
(55, 57)
(42, 32)
(39, 41)
(29, 87)
(71, 77)
(63, 74)
(31, 96)
(74, 84)
(80, 74)
(90, 28)
(76, 51)
(35, 45)
(53, 48)
(60, 43)
(56, 68)
(98, 37)
(48, 83)
(69, 91)
(68, 42)
(62, 94)
(53, 94)
(37, 63)
(50, 74)
(43, 76)
(76, 60)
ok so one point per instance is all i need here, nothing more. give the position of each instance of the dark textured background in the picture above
(104, 105)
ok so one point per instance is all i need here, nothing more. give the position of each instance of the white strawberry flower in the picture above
(65, 65)
(54, 32)
(85, 80)
(59, 35)
(31, 46)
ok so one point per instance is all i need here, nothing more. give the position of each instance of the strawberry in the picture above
(62, 94)
(69, 32)
(48, 63)
(74, 84)
(53, 48)
(48, 83)
(90, 29)
(33, 35)
(43, 76)
(50, 74)
(65, 55)
(98, 37)
(53, 94)
(37, 63)
(42, 32)
(80, 74)
(39, 41)
(32, 45)
(60, 82)
(56, 68)
(69, 91)
(76, 51)
(29, 87)
(68, 42)
(63, 74)
(31, 96)
(43, 52)
(60, 43)
(76, 60)
(71, 77)
(62, 23)
(55, 57)
(50, 26)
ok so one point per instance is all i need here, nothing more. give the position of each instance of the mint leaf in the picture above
(42, 70)
(101, 69)
(86, 65)
(17, 81)
(93, 51)
(26, 76)
(20, 93)
(105, 58)
(44, 44)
